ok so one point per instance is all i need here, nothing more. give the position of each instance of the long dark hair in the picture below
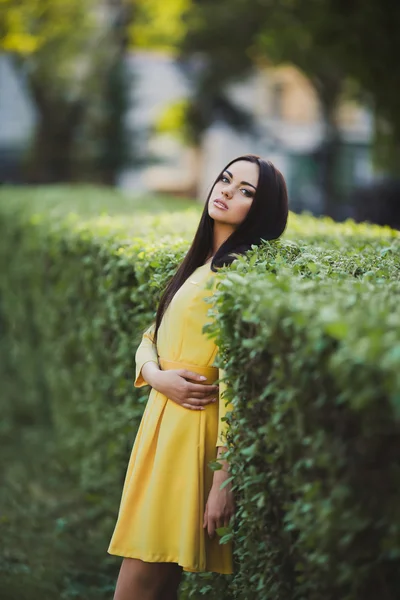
(266, 220)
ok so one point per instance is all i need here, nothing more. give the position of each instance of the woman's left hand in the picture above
(220, 505)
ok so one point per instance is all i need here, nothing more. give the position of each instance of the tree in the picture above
(108, 142)
(164, 26)
(159, 24)
(67, 51)
(368, 44)
(359, 40)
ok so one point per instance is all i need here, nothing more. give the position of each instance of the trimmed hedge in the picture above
(309, 327)
(314, 374)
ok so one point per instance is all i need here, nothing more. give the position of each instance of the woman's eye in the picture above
(247, 193)
(223, 178)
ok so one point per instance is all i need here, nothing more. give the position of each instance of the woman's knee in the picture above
(151, 578)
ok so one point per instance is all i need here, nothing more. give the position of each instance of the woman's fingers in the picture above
(202, 391)
(214, 523)
(198, 402)
(191, 375)
(203, 396)
(196, 406)
(205, 518)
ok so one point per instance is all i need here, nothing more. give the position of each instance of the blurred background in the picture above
(156, 96)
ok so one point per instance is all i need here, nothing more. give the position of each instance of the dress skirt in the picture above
(167, 485)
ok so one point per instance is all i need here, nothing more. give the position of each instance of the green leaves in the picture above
(225, 533)
(308, 336)
(215, 465)
(226, 482)
(312, 357)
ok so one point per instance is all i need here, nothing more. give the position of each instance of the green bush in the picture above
(309, 328)
(314, 372)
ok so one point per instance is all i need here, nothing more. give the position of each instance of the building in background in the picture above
(289, 130)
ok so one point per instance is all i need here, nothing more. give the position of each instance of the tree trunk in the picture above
(386, 147)
(328, 156)
(329, 89)
(51, 158)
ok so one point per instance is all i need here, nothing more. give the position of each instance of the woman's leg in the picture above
(171, 592)
(140, 580)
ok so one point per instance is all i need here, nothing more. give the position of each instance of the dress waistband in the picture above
(211, 373)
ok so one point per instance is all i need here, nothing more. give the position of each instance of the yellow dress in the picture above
(168, 478)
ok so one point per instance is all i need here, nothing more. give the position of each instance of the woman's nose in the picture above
(227, 191)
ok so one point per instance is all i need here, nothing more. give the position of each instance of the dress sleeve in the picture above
(147, 351)
(224, 407)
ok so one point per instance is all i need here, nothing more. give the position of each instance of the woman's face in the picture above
(235, 190)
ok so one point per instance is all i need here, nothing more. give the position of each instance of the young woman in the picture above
(171, 501)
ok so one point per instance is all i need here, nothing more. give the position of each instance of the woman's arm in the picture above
(172, 384)
(224, 407)
(225, 467)
(220, 505)
(146, 352)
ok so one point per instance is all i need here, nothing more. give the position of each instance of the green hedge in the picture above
(315, 378)
(309, 325)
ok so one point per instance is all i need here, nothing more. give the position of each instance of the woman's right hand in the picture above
(179, 386)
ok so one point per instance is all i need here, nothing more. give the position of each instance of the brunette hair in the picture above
(266, 220)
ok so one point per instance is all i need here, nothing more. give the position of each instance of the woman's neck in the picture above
(222, 231)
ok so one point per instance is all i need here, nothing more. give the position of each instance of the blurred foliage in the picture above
(28, 26)
(367, 34)
(313, 320)
(272, 33)
(331, 42)
(159, 25)
(76, 78)
(166, 26)
(173, 120)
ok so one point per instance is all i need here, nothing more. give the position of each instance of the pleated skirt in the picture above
(166, 488)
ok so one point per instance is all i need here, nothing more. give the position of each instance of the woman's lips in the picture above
(220, 204)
